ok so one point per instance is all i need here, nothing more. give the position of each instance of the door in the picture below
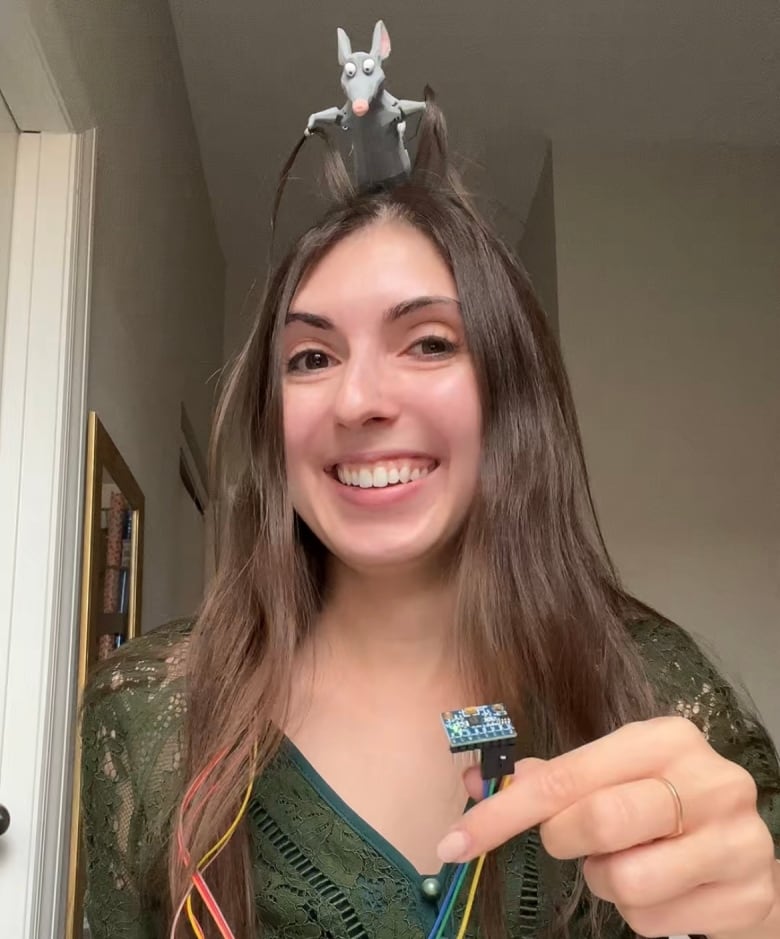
(44, 304)
(9, 138)
(9, 141)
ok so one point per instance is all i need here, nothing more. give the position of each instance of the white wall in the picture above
(158, 273)
(190, 567)
(537, 246)
(240, 311)
(669, 304)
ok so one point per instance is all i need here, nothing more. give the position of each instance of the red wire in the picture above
(197, 878)
(212, 906)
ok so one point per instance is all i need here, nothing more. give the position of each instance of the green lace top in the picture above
(320, 871)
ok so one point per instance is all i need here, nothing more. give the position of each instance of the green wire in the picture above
(460, 877)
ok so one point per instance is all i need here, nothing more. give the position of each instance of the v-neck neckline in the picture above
(359, 825)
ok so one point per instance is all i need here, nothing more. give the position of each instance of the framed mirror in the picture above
(111, 580)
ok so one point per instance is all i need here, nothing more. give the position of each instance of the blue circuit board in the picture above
(476, 727)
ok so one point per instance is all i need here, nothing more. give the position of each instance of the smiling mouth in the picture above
(381, 475)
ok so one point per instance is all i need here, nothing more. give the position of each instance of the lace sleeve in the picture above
(691, 684)
(112, 905)
(131, 745)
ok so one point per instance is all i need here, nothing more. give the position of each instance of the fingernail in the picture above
(453, 846)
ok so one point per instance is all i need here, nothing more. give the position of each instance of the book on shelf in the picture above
(116, 571)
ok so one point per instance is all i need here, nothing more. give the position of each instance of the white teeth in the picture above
(380, 476)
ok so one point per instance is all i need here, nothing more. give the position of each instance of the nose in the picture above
(365, 394)
(360, 107)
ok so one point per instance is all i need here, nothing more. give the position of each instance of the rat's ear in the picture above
(345, 47)
(380, 44)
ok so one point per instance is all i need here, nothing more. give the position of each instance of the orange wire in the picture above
(197, 878)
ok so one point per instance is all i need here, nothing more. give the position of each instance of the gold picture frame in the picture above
(110, 602)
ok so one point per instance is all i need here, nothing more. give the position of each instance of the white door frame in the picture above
(42, 441)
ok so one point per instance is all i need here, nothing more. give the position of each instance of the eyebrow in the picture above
(393, 313)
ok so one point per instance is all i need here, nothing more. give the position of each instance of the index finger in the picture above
(635, 751)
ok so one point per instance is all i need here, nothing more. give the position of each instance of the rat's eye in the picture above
(368, 66)
(350, 69)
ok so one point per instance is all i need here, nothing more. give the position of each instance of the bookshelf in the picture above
(112, 575)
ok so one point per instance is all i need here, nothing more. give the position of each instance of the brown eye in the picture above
(310, 360)
(434, 347)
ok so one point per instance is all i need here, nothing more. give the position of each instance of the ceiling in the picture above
(509, 76)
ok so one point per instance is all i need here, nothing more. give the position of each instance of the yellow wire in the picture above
(212, 852)
(194, 925)
(472, 894)
(229, 833)
(475, 880)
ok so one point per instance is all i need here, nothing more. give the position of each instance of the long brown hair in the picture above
(541, 620)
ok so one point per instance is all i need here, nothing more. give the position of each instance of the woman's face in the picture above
(381, 411)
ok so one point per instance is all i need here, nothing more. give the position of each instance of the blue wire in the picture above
(488, 788)
(446, 907)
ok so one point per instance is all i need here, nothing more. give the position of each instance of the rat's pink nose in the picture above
(360, 107)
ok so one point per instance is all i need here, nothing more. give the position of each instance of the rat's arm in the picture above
(405, 107)
(328, 116)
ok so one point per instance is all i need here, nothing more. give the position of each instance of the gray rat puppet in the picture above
(376, 118)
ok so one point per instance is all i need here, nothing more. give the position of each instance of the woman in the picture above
(407, 529)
